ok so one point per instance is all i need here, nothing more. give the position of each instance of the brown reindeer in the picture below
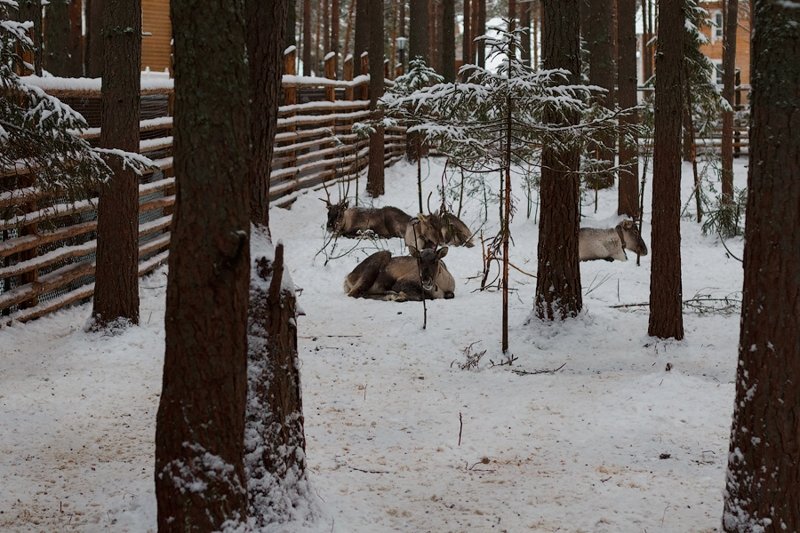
(399, 279)
(435, 229)
(346, 221)
(610, 244)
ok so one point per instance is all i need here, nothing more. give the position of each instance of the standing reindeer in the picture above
(610, 244)
(423, 275)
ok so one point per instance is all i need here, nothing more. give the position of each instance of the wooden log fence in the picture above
(48, 245)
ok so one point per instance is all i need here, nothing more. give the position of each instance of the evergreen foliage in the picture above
(39, 134)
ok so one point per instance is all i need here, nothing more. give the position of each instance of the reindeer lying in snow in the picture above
(348, 221)
(610, 244)
(383, 277)
(435, 229)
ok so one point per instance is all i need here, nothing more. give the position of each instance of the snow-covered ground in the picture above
(614, 441)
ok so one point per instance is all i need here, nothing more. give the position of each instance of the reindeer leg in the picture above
(364, 276)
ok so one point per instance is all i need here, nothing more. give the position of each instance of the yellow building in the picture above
(714, 34)
(156, 35)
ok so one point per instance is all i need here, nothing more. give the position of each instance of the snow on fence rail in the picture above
(47, 245)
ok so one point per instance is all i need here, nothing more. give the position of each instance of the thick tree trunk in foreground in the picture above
(666, 318)
(763, 483)
(265, 25)
(116, 289)
(728, 89)
(558, 284)
(628, 193)
(200, 421)
(375, 185)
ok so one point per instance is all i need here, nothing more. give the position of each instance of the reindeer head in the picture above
(631, 238)
(428, 260)
(428, 230)
(336, 215)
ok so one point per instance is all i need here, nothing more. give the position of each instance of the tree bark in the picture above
(728, 89)
(375, 185)
(290, 37)
(525, 24)
(94, 40)
(265, 25)
(307, 44)
(448, 46)
(200, 422)
(602, 72)
(666, 318)
(558, 282)
(418, 30)
(466, 42)
(362, 29)
(62, 57)
(481, 30)
(116, 290)
(763, 481)
(647, 36)
(628, 193)
(335, 23)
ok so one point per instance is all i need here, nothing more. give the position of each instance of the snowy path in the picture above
(578, 450)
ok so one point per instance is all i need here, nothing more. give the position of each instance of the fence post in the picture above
(330, 73)
(347, 74)
(365, 72)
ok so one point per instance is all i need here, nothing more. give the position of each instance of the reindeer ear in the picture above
(441, 252)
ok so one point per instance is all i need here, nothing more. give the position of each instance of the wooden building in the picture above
(714, 33)
(156, 35)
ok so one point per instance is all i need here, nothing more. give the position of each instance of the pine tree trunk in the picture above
(647, 50)
(558, 283)
(448, 46)
(602, 72)
(362, 29)
(512, 15)
(481, 30)
(265, 25)
(466, 42)
(628, 198)
(763, 481)
(525, 24)
(116, 289)
(334, 44)
(307, 41)
(728, 89)
(201, 415)
(375, 185)
(94, 39)
(290, 37)
(418, 30)
(61, 58)
(537, 17)
(666, 319)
